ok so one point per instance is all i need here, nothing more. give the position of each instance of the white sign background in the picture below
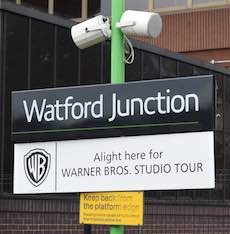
(167, 162)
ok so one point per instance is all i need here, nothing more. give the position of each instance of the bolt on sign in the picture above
(137, 163)
(116, 208)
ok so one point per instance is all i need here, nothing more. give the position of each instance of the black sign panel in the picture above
(135, 108)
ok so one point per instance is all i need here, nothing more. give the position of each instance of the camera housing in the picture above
(91, 32)
(140, 23)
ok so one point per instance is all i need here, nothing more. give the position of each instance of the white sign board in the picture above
(153, 162)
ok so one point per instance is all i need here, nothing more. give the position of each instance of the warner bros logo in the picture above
(37, 166)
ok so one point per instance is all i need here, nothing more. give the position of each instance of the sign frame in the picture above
(155, 107)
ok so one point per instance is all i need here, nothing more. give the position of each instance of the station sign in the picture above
(116, 208)
(133, 163)
(134, 108)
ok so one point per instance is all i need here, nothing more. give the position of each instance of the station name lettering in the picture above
(71, 109)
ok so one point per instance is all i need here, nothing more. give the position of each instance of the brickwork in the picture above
(39, 216)
(25, 216)
(194, 31)
(25, 223)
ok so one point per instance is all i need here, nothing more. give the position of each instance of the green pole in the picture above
(117, 229)
(117, 47)
(117, 63)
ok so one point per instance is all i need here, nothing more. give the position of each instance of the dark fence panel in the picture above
(90, 68)
(67, 59)
(14, 78)
(1, 100)
(41, 54)
(133, 72)
(150, 66)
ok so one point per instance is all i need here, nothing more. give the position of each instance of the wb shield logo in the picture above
(37, 165)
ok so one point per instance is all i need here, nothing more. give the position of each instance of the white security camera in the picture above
(91, 32)
(140, 23)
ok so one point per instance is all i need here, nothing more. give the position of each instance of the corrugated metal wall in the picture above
(197, 30)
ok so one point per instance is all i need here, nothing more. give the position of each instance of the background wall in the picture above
(203, 34)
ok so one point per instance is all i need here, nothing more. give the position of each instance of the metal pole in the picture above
(117, 49)
(117, 229)
(51, 7)
(84, 9)
(117, 63)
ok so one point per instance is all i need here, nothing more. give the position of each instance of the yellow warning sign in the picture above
(113, 208)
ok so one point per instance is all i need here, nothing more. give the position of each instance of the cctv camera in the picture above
(91, 32)
(140, 23)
